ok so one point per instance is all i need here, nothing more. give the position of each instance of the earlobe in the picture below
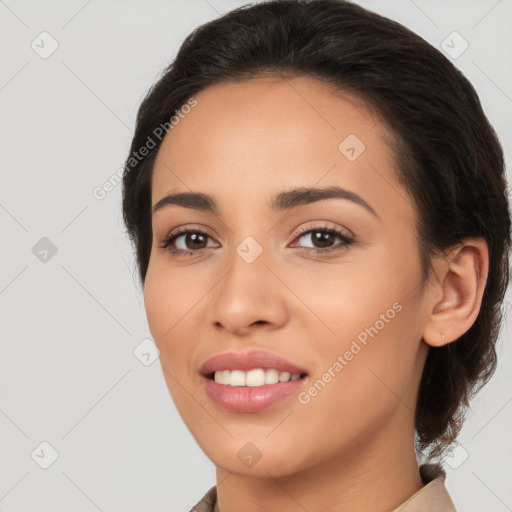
(461, 280)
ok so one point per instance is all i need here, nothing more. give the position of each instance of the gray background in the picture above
(71, 320)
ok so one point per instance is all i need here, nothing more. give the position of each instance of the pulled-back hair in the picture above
(447, 155)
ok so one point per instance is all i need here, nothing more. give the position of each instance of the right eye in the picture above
(190, 237)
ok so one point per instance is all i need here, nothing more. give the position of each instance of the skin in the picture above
(351, 447)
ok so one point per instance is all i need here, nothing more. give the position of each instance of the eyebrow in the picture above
(283, 201)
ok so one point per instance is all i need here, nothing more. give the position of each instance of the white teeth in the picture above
(253, 378)
(237, 378)
(284, 376)
(272, 376)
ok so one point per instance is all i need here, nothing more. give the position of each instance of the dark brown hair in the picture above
(447, 154)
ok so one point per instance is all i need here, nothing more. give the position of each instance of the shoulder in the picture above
(433, 496)
(207, 502)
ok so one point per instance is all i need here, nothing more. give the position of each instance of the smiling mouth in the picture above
(253, 378)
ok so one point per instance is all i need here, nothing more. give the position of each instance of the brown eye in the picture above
(191, 241)
(194, 240)
(322, 239)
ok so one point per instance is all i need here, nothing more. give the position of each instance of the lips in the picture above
(244, 399)
(249, 361)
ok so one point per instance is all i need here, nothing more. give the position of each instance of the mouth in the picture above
(251, 381)
(253, 378)
(254, 368)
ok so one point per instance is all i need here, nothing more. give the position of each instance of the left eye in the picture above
(323, 239)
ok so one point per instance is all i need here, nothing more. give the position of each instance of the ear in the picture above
(455, 293)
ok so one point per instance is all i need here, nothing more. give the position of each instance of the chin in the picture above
(249, 456)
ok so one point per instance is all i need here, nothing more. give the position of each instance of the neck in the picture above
(379, 475)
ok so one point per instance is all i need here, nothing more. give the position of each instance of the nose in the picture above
(250, 296)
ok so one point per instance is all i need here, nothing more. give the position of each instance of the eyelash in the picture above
(347, 240)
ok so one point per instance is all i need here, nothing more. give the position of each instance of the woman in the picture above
(319, 212)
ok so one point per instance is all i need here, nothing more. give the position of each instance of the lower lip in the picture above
(250, 399)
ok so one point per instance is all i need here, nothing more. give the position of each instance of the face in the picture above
(330, 283)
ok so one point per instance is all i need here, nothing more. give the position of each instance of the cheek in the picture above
(169, 302)
(361, 384)
(169, 297)
(367, 333)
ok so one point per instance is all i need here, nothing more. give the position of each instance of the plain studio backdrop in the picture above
(86, 420)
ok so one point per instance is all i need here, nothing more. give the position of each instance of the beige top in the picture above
(433, 497)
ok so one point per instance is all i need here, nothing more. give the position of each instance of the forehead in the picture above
(253, 137)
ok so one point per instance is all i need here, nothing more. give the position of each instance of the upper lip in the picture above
(248, 361)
